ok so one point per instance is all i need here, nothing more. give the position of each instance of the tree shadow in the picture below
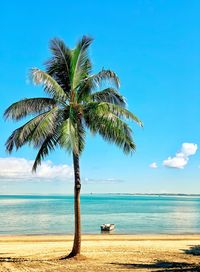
(14, 260)
(23, 259)
(163, 266)
(193, 250)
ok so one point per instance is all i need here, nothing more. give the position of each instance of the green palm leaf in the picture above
(22, 135)
(68, 136)
(112, 129)
(46, 126)
(80, 64)
(108, 76)
(109, 95)
(48, 145)
(61, 53)
(33, 131)
(27, 106)
(50, 85)
(58, 66)
(106, 108)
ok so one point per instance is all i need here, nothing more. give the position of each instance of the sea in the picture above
(131, 214)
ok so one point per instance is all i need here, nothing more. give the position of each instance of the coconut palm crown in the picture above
(77, 101)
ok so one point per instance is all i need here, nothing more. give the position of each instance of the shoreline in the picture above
(142, 235)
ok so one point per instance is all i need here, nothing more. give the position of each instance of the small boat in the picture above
(107, 227)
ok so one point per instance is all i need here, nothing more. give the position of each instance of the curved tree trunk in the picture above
(77, 212)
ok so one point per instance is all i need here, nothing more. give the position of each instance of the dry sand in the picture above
(102, 253)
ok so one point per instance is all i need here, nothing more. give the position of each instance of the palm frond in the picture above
(106, 108)
(121, 112)
(80, 63)
(109, 95)
(72, 133)
(12, 141)
(106, 75)
(27, 106)
(34, 131)
(68, 136)
(84, 91)
(58, 66)
(45, 127)
(48, 145)
(50, 85)
(22, 135)
(60, 51)
(112, 129)
(91, 83)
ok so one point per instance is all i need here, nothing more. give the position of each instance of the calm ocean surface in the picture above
(131, 214)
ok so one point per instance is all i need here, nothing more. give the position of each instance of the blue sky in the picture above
(153, 46)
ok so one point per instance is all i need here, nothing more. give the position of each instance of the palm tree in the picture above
(77, 100)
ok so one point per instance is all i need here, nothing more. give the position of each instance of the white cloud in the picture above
(153, 165)
(189, 149)
(175, 162)
(106, 180)
(21, 169)
(181, 158)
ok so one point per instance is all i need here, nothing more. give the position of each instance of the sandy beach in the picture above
(101, 253)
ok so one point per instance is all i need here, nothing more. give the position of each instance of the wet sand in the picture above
(101, 253)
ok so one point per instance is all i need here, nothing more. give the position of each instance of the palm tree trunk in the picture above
(77, 212)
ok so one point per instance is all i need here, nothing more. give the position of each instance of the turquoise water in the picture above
(131, 214)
